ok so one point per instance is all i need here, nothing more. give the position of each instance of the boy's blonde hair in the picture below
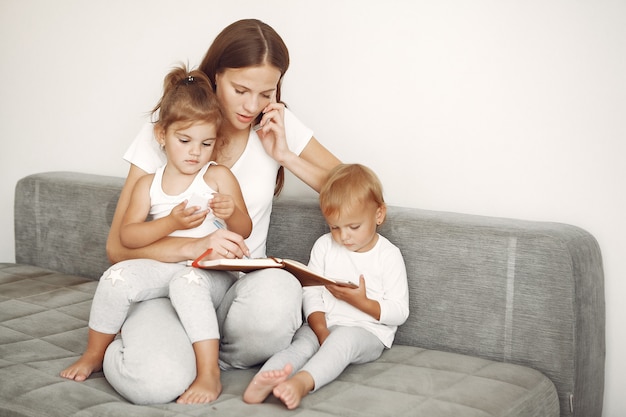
(349, 186)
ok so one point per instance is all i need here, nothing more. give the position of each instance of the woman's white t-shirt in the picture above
(255, 170)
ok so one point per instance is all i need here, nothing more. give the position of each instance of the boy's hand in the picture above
(317, 323)
(356, 297)
(352, 296)
(183, 217)
(222, 205)
(322, 335)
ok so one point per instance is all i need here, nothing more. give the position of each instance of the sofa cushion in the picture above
(43, 328)
(508, 290)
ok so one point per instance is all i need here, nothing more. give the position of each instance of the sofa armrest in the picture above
(62, 220)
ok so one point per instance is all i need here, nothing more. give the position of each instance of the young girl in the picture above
(344, 325)
(189, 119)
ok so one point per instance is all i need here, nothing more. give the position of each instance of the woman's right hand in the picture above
(224, 244)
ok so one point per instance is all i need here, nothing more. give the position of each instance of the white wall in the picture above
(511, 109)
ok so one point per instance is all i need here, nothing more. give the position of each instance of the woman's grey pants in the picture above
(153, 360)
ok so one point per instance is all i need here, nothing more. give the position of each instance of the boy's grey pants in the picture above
(344, 346)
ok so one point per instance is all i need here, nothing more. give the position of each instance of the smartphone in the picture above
(256, 125)
(201, 201)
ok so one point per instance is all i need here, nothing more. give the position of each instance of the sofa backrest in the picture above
(530, 293)
(524, 292)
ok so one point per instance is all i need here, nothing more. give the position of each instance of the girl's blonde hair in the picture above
(349, 186)
(188, 97)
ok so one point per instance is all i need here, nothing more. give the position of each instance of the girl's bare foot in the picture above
(207, 386)
(293, 390)
(91, 360)
(83, 367)
(204, 389)
(264, 382)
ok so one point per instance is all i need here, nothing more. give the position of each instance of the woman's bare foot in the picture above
(204, 389)
(293, 390)
(264, 382)
(83, 367)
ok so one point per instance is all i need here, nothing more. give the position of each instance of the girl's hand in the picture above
(222, 205)
(183, 217)
(225, 244)
(272, 133)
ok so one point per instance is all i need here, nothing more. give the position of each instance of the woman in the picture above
(153, 361)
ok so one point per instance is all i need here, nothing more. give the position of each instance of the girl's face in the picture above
(355, 227)
(245, 92)
(188, 148)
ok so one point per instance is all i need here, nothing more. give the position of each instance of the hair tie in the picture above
(189, 79)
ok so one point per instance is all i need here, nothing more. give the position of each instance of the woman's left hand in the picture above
(272, 132)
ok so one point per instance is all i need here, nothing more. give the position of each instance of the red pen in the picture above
(206, 253)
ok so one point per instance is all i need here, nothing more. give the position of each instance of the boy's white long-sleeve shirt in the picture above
(385, 281)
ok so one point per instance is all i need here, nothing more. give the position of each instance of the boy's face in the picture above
(355, 227)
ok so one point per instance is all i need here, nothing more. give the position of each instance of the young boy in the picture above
(344, 325)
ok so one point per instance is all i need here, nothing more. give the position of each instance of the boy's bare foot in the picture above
(83, 367)
(293, 390)
(264, 382)
(204, 389)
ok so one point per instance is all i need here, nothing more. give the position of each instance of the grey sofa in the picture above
(507, 316)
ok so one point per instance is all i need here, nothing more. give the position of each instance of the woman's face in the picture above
(245, 92)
